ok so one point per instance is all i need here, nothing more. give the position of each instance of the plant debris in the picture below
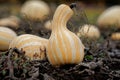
(98, 64)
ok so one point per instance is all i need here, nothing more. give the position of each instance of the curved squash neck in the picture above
(61, 16)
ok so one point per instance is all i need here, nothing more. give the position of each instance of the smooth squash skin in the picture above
(109, 18)
(64, 47)
(33, 46)
(35, 10)
(47, 25)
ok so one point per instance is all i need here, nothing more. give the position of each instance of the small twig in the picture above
(34, 73)
(108, 55)
(10, 65)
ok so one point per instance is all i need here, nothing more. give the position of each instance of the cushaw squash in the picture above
(33, 46)
(64, 47)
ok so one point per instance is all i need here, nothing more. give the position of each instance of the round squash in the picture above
(34, 46)
(110, 17)
(35, 10)
(12, 22)
(64, 47)
(89, 31)
(6, 36)
(48, 25)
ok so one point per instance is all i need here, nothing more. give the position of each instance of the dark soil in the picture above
(102, 65)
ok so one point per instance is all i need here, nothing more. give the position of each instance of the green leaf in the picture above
(3, 72)
(89, 57)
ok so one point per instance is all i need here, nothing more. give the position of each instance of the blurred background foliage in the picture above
(106, 2)
(92, 8)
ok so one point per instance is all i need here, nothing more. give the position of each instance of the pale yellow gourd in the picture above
(110, 18)
(47, 25)
(89, 31)
(12, 22)
(35, 10)
(64, 47)
(115, 36)
(6, 36)
(33, 46)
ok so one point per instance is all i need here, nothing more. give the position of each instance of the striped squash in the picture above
(11, 21)
(64, 47)
(6, 36)
(33, 46)
(115, 36)
(89, 31)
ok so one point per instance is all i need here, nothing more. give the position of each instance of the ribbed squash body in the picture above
(115, 36)
(64, 47)
(89, 31)
(33, 46)
(6, 36)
